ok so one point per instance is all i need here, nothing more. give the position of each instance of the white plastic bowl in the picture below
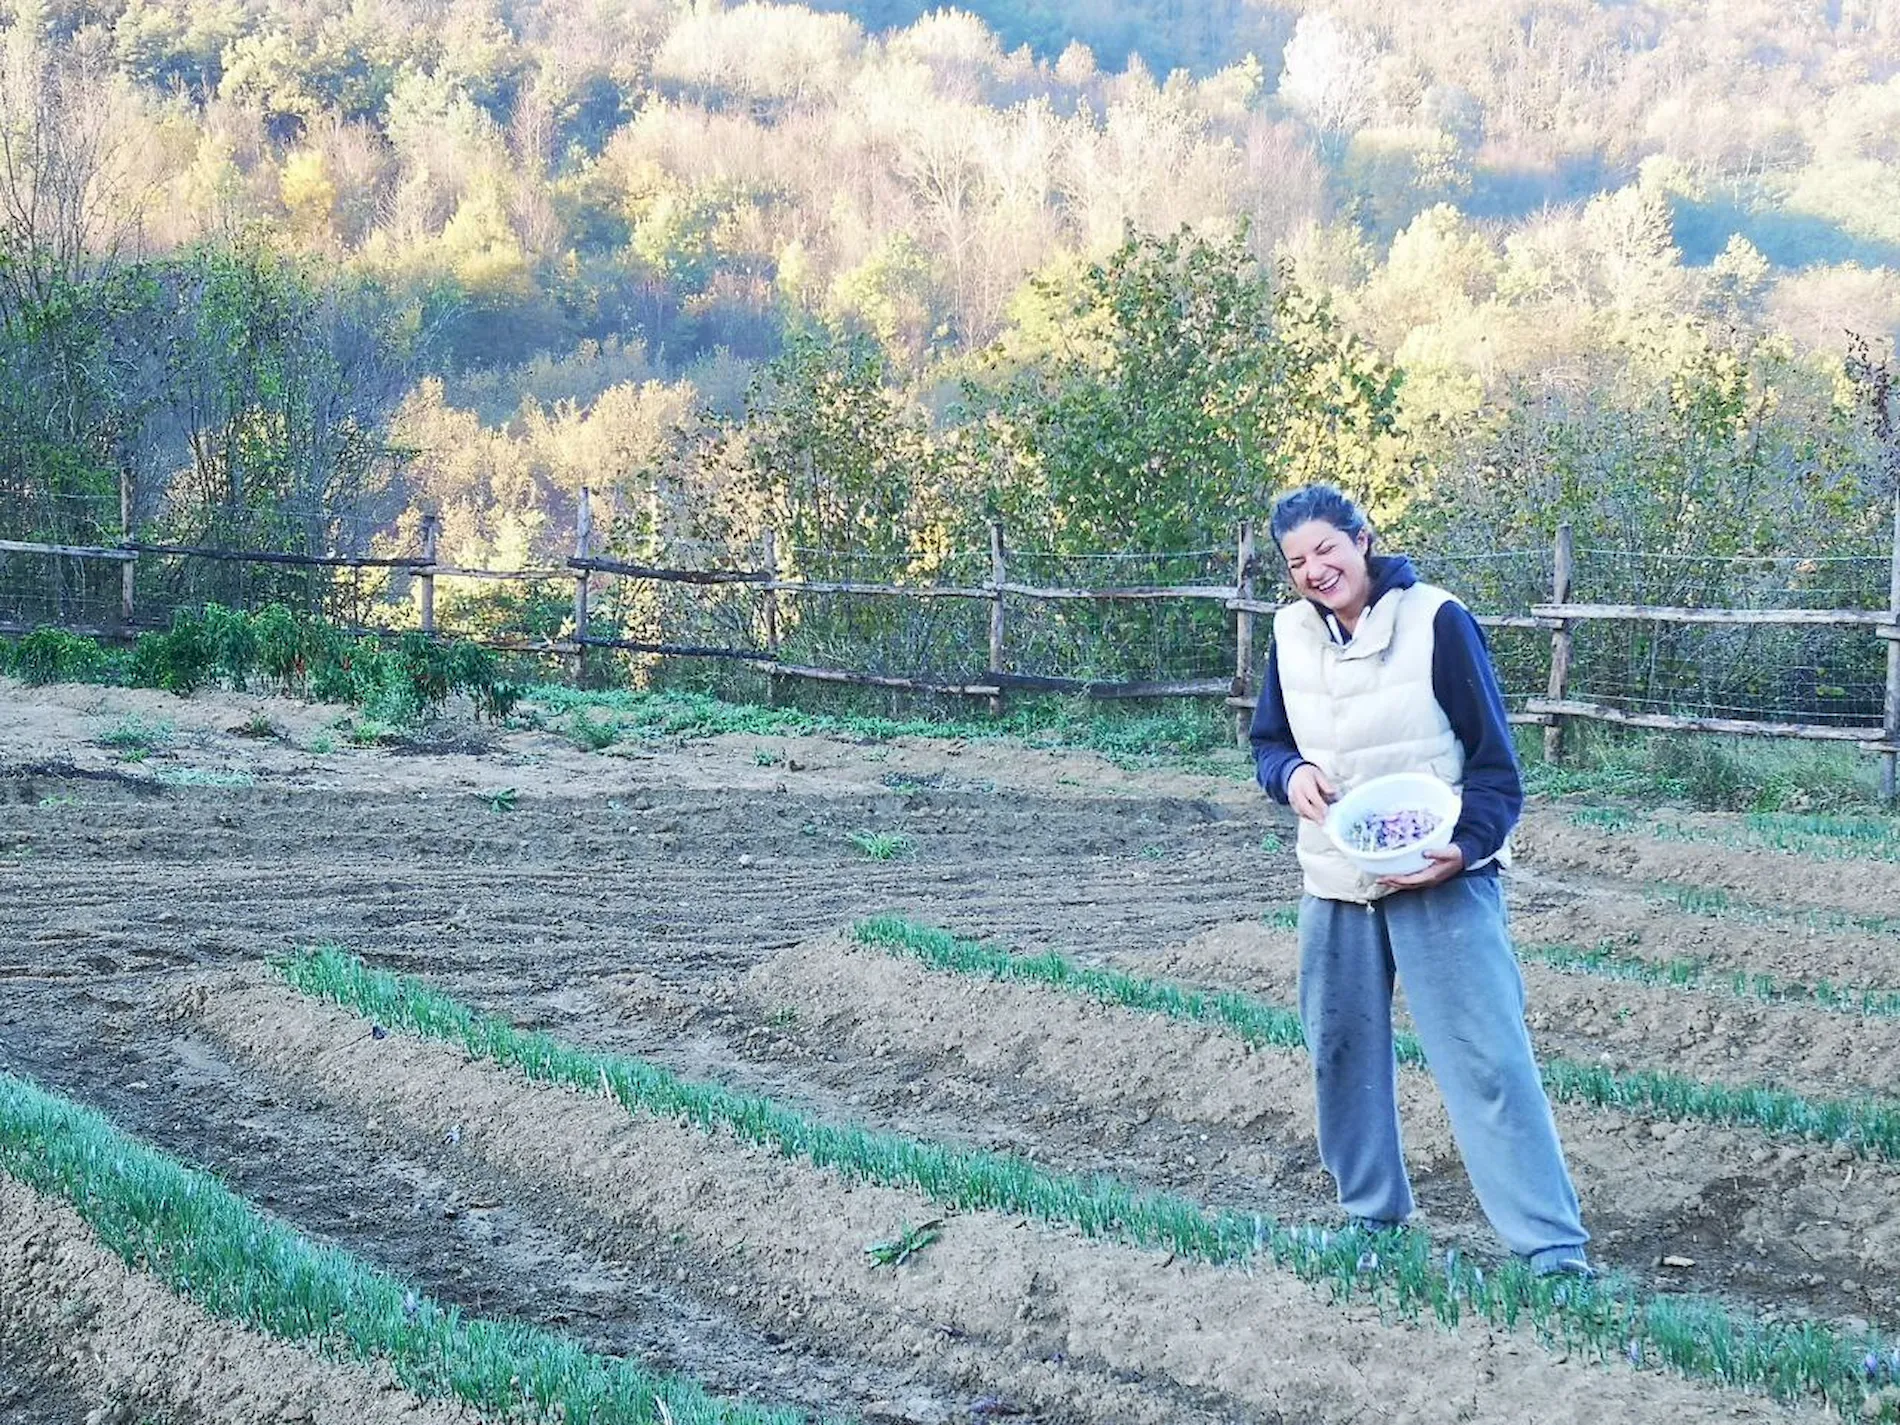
(1402, 791)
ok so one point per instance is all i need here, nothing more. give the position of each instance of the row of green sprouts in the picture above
(1826, 838)
(1611, 1318)
(1608, 960)
(1869, 1126)
(211, 1246)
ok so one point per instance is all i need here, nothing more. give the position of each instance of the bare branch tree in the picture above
(67, 182)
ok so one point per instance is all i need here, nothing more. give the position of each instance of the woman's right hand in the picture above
(1309, 793)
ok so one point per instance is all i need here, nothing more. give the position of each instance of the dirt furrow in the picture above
(414, 1207)
(1794, 945)
(1549, 841)
(76, 1313)
(542, 928)
(32, 1392)
(1768, 1221)
(1040, 1316)
(1710, 1034)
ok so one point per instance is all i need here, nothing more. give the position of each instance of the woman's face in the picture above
(1329, 567)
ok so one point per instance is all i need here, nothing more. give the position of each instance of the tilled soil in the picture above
(1706, 1032)
(29, 1393)
(1865, 886)
(493, 1245)
(685, 901)
(1055, 1325)
(1796, 945)
(88, 1327)
(1757, 1217)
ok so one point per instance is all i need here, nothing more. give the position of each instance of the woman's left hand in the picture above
(1447, 861)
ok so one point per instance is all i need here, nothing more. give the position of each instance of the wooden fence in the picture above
(1560, 617)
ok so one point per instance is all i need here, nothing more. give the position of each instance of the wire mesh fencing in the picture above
(58, 590)
(1128, 641)
(928, 638)
(925, 617)
(1820, 674)
(1503, 584)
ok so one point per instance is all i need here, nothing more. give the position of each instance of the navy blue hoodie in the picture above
(1466, 688)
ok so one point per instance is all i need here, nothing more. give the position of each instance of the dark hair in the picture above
(1317, 502)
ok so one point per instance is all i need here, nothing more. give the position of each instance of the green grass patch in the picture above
(1608, 1318)
(1707, 772)
(883, 845)
(1607, 961)
(209, 1245)
(1870, 1127)
(202, 777)
(1821, 838)
(137, 734)
(1187, 737)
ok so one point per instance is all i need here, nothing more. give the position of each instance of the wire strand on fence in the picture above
(1815, 673)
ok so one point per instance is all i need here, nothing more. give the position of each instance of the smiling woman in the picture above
(1374, 674)
(1328, 554)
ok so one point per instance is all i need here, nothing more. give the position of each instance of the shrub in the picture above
(180, 660)
(398, 685)
(51, 655)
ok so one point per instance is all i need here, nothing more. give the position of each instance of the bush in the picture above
(180, 660)
(229, 636)
(399, 685)
(51, 655)
(282, 646)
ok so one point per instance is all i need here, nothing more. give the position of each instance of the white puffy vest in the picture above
(1363, 709)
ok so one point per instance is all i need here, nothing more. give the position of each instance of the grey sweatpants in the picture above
(1452, 953)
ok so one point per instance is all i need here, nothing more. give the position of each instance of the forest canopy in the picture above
(293, 272)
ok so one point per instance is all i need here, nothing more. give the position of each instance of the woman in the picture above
(1373, 672)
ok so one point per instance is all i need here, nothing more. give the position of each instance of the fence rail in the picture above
(1557, 614)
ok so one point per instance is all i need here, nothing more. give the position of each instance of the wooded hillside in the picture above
(298, 272)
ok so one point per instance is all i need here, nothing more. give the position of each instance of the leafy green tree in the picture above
(1164, 394)
(1692, 448)
(836, 460)
(275, 396)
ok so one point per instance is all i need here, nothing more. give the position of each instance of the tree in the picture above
(270, 422)
(1328, 73)
(69, 189)
(890, 294)
(69, 311)
(1166, 393)
(833, 458)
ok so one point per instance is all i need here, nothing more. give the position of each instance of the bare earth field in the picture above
(690, 902)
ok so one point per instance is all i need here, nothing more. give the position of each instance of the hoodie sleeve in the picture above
(1274, 753)
(1467, 689)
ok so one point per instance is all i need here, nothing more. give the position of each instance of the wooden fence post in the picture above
(1243, 632)
(769, 610)
(127, 581)
(425, 579)
(1890, 760)
(583, 549)
(1563, 557)
(997, 579)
